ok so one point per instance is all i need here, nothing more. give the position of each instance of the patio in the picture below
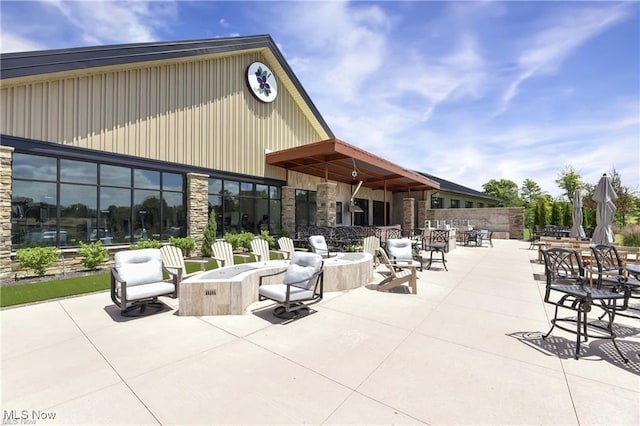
(465, 350)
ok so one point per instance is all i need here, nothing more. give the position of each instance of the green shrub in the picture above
(185, 244)
(209, 235)
(239, 241)
(143, 244)
(37, 258)
(631, 235)
(268, 238)
(92, 254)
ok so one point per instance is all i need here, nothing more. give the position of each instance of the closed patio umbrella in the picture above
(605, 211)
(577, 231)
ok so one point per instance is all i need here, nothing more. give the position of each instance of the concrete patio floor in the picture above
(465, 350)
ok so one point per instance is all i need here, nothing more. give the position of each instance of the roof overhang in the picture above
(336, 160)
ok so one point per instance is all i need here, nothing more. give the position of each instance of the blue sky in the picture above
(467, 91)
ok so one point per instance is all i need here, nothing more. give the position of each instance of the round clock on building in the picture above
(262, 83)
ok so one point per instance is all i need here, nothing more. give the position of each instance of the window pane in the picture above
(274, 192)
(146, 210)
(148, 179)
(78, 214)
(215, 186)
(215, 205)
(262, 191)
(115, 176)
(115, 213)
(172, 182)
(33, 213)
(174, 216)
(246, 189)
(275, 216)
(231, 219)
(78, 172)
(247, 214)
(34, 167)
(231, 187)
(262, 215)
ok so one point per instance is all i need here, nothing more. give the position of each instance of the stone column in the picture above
(326, 203)
(289, 210)
(6, 154)
(197, 208)
(423, 206)
(408, 216)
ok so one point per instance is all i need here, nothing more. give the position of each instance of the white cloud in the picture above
(544, 52)
(105, 22)
(15, 43)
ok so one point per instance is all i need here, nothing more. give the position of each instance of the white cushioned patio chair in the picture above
(222, 253)
(319, 245)
(302, 282)
(137, 282)
(400, 251)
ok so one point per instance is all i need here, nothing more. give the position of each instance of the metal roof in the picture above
(36, 63)
(336, 160)
(449, 186)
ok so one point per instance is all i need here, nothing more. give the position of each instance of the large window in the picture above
(379, 213)
(306, 207)
(455, 204)
(244, 206)
(361, 218)
(437, 202)
(468, 204)
(64, 202)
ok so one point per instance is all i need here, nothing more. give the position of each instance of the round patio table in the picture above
(633, 268)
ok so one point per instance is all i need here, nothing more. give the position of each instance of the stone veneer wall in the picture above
(6, 155)
(508, 222)
(197, 208)
(408, 215)
(289, 209)
(326, 203)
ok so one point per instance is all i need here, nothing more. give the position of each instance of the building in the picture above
(126, 142)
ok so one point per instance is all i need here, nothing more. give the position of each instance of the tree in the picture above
(569, 180)
(627, 201)
(209, 235)
(506, 190)
(556, 213)
(530, 191)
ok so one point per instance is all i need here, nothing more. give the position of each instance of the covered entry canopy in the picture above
(336, 160)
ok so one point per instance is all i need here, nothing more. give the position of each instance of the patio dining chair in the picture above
(438, 243)
(610, 270)
(302, 282)
(566, 289)
(397, 274)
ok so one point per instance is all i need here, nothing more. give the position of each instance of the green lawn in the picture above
(63, 287)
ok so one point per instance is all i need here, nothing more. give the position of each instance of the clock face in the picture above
(262, 82)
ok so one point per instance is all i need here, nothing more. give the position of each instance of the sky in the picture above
(466, 91)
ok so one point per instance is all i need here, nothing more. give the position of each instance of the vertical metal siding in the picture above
(197, 113)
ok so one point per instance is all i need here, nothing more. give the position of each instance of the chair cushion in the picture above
(146, 291)
(319, 245)
(302, 267)
(137, 267)
(400, 249)
(278, 292)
